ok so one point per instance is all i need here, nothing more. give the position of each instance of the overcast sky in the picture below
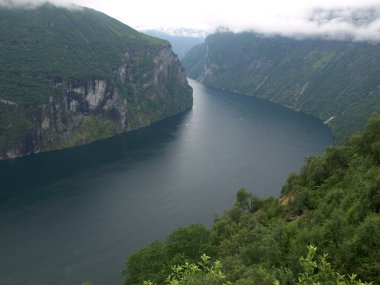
(357, 19)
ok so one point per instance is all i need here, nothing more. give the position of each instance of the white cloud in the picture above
(355, 19)
(31, 4)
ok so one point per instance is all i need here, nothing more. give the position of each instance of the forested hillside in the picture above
(72, 76)
(333, 203)
(336, 80)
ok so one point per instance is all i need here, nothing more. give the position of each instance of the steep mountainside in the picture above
(323, 78)
(69, 77)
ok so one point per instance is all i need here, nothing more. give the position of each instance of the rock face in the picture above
(336, 81)
(124, 80)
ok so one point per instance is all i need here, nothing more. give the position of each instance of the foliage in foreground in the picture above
(315, 271)
(332, 203)
(320, 271)
(202, 272)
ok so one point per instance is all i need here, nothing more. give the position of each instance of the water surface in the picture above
(75, 215)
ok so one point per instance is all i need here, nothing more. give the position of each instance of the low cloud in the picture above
(356, 23)
(357, 20)
(32, 4)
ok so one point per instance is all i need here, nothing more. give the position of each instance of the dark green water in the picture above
(75, 215)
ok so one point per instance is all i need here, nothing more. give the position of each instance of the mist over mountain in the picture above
(360, 24)
(34, 4)
(71, 75)
(329, 19)
(180, 41)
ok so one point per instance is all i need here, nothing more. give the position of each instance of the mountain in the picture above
(181, 44)
(336, 81)
(73, 76)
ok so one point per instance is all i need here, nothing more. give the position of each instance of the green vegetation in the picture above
(52, 44)
(53, 58)
(332, 203)
(202, 272)
(91, 128)
(323, 78)
(12, 127)
(211, 273)
(321, 272)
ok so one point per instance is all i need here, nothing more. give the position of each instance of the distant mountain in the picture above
(181, 41)
(69, 77)
(336, 81)
(177, 31)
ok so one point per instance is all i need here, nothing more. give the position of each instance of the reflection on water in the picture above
(74, 215)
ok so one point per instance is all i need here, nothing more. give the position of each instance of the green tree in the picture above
(248, 202)
(189, 242)
(201, 272)
(320, 272)
(147, 263)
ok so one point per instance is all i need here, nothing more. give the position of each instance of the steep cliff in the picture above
(69, 77)
(336, 81)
